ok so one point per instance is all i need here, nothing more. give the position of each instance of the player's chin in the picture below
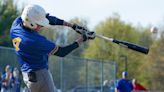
(38, 29)
(43, 28)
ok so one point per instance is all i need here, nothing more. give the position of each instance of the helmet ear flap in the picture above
(29, 24)
(33, 25)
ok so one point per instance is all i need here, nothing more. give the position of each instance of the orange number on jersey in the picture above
(16, 42)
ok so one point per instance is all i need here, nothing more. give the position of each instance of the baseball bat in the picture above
(129, 45)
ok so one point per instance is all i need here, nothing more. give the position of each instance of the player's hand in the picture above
(89, 35)
(79, 29)
(86, 36)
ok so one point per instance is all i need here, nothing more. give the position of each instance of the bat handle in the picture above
(103, 37)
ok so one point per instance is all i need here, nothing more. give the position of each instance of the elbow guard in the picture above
(63, 51)
(54, 21)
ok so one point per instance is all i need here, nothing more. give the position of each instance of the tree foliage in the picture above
(154, 65)
(115, 28)
(8, 12)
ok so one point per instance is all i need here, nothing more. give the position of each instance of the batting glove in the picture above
(88, 36)
(79, 29)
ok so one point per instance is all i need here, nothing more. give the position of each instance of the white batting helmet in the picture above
(33, 15)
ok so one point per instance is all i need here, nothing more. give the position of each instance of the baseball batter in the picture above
(33, 49)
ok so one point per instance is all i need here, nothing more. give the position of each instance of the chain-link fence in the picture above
(72, 74)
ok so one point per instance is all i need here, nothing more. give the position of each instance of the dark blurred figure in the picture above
(17, 81)
(108, 86)
(0, 78)
(7, 80)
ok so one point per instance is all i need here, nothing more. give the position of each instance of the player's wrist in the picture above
(79, 41)
(67, 24)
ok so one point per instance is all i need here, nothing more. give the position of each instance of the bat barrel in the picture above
(139, 48)
(132, 46)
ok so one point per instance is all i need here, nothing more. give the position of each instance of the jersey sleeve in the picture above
(45, 46)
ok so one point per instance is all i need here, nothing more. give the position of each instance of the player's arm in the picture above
(63, 51)
(56, 21)
(115, 90)
(117, 86)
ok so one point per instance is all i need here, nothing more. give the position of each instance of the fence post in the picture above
(102, 76)
(61, 74)
(87, 76)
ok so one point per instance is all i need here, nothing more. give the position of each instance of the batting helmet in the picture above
(33, 15)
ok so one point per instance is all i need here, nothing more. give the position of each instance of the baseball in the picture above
(154, 29)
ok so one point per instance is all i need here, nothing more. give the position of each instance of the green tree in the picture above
(154, 65)
(115, 28)
(8, 12)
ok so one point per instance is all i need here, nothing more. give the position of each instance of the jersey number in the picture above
(16, 43)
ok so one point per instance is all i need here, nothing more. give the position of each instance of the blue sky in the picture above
(144, 12)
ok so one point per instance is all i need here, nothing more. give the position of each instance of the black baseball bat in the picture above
(126, 44)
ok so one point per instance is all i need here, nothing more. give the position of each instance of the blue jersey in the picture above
(124, 85)
(32, 49)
